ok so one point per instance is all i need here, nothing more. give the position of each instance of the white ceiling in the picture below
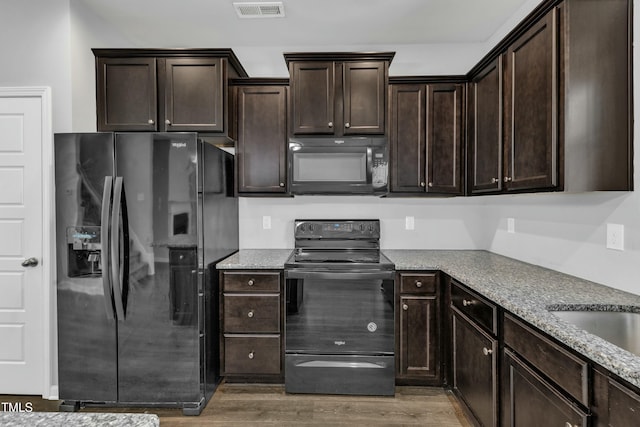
(308, 24)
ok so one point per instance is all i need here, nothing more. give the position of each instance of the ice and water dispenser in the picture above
(84, 255)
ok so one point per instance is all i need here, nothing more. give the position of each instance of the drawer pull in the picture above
(486, 351)
(251, 282)
(405, 307)
(467, 302)
(418, 284)
(250, 313)
(251, 355)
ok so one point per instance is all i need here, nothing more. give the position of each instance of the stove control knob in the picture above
(302, 227)
(311, 228)
(361, 227)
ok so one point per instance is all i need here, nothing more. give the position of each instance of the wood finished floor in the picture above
(268, 405)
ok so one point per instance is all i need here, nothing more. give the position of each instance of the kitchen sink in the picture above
(618, 327)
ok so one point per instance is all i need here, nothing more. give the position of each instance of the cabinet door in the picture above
(364, 87)
(444, 138)
(262, 138)
(312, 97)
(474, 370)
(407, 138)
(126, 94)
(485, 129)
(194, 95)
(528, 400)
(419, 337)
(531, 147)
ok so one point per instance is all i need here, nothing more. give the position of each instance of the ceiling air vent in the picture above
(274, 9)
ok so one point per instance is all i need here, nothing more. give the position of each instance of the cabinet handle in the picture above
(250, 313)
(431, 184)
(282, 184)
(467, 302)
(167, 122)
(486, 351)
(494, 180)
(181, 257)
(347, 125)
(418, 284)
(405, 307)
(251, 355)
(568, 424)
(330, 124)
(150, 121)
(422, 184)
(251, 282)
(507, 179)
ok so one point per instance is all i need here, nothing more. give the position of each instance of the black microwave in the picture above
(329, 165)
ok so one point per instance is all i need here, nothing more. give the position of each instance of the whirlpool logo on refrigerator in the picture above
(178, 144)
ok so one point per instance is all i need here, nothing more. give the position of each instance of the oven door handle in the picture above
(339, 275)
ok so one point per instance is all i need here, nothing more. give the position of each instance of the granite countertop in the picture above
(77, 419)
(530, 292)
(525, 290)
(255, 259)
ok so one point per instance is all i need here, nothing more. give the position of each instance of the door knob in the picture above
(30, 262)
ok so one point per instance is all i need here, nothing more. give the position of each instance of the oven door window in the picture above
(339, 317)
(343, 166)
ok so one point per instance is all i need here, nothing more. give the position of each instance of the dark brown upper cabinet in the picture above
(261, 151)
(426, 138)
(549, 108)
(164, 89)
(485, 129)
(338, 93)
(531, 108)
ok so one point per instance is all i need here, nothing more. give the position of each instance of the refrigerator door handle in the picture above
(116, 268)
(104, 248)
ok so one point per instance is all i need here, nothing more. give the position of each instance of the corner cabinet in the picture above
(426, 138)
(261, 150)
(418, 326)
(338, 93)
(164, 89)
(550, 106)
(252, 310)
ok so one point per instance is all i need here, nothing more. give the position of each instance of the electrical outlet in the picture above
(409, 223)
(615, 236)
(511, 225)
(266, 222)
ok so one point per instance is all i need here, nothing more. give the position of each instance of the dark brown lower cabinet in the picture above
(475, 369)
(530, 400)
(418, 325)
(614, 404)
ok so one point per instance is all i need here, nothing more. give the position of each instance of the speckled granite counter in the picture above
(530, 292)
(524, 289)
(255, 259)
(77, 419)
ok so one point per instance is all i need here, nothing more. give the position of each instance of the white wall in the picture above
(35, 51)
(452, 223)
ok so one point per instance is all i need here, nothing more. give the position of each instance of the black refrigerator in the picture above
(141, 220)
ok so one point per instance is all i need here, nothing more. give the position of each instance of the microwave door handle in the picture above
(116, 268)
(107, 286)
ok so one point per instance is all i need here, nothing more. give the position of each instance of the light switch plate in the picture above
(615, 236)
(409, 223)
(511, 225)
(266, 222)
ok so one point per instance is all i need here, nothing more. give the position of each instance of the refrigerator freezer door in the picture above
(158, 341)
(87, 358)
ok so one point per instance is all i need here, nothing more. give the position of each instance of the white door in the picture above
(23, 291)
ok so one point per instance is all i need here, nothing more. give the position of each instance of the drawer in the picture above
(253, 355)
(251, 313)
(565, 369)
(423, 284)
(250, 281)
(475, 307)
(182, 257)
